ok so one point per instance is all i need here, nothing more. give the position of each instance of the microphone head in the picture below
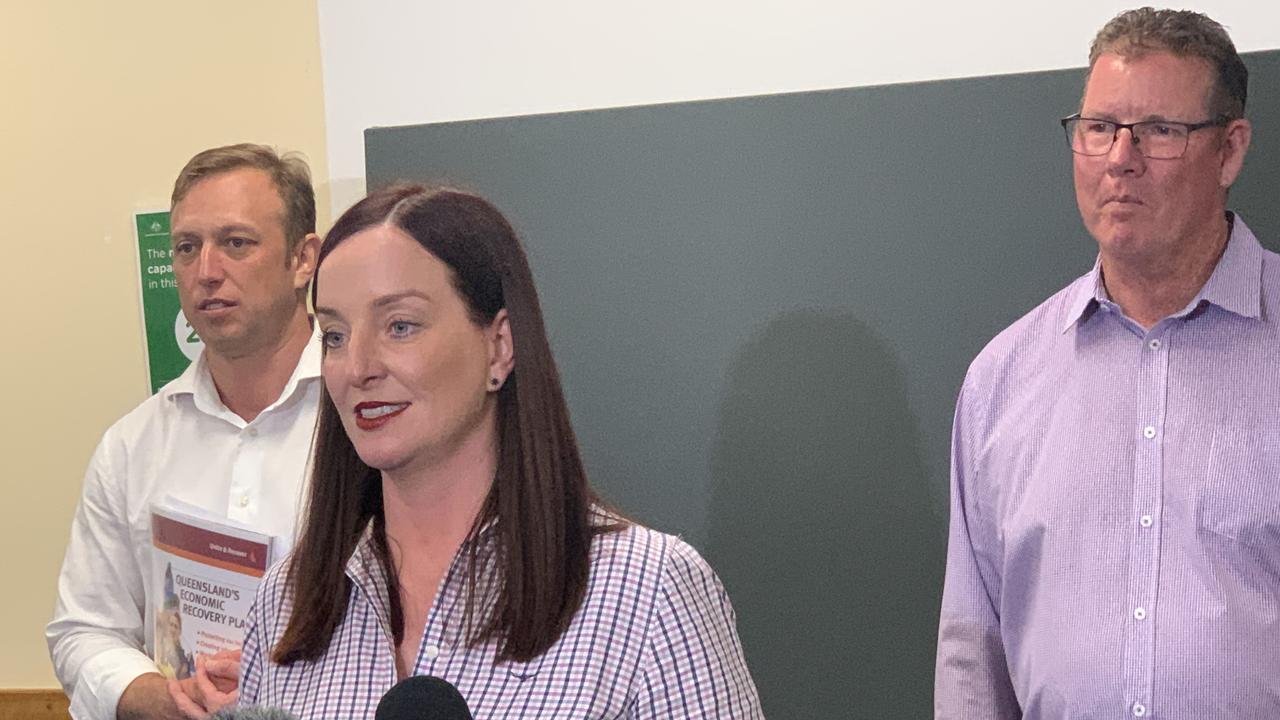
(251, 712)
(423, 697)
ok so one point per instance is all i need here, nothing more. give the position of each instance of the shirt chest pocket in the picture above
(1239, 497)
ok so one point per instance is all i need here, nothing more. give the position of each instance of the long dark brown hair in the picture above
(540, 502)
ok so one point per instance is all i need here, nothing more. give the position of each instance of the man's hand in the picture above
(214, 686)
(147, 698)
(223, 670)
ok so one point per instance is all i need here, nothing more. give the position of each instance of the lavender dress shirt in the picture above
(1115, 509)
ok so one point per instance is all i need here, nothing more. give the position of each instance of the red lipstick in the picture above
(373, 415)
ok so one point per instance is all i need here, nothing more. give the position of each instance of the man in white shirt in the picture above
(231, 435)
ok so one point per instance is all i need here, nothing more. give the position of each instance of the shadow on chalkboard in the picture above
(817, 465)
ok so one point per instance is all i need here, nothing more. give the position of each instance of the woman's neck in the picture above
(430, 509)
(429, 512)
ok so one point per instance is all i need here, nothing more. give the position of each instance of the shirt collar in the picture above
(1234, 286)
(1085, 295)
(197, 381)
(366, 556)
(366, 570)
(1236, 283)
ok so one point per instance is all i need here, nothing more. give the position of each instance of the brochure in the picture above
(207, 569)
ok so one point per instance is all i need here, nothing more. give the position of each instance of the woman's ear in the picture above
(502, 350)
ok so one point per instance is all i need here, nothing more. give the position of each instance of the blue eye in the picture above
(332, 339)
(400, 328)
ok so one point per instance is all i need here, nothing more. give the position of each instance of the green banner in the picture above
(171, 344)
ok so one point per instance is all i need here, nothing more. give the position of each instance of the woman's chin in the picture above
(382, 459)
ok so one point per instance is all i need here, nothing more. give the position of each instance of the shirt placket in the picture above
(434, 652)
(244, 498)
(433, 649)
(1145, 518)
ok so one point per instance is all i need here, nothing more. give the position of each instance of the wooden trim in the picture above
(33, 705)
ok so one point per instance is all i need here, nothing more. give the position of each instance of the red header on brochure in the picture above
(209, 547)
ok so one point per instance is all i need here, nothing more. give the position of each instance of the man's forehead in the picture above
(1152, 84)
(229, 195)
(214, 227)
(1147, 54)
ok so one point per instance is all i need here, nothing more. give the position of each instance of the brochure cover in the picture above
(207, 569)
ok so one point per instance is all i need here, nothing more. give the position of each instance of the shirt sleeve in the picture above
(971, 679)
(96, 635)
(692, 665)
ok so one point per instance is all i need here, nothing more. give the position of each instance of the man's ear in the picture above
(1235, 145)
(303, 260)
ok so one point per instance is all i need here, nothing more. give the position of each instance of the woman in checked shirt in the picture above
(450, 529)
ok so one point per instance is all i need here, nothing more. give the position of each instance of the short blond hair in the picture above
(288, 172)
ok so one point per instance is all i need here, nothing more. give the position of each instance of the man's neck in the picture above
(247, 385)
(1149, 290)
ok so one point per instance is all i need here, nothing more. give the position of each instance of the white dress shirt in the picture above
(181, 442)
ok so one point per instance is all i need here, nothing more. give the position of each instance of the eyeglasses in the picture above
(1155, 139)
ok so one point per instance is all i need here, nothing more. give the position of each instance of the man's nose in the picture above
(1125, 155)
(209, 266)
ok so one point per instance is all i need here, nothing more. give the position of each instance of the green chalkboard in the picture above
(763, 308)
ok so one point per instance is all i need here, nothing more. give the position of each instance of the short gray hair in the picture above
(1184, 33)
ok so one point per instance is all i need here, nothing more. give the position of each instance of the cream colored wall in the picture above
(100, 106)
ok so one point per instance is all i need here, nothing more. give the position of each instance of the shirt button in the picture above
(1140, 614)
(431, 651)
(1145, 521)
(253, 432)
(1154, 344)
(1139, 710)
(1148, 432)
(244, 501)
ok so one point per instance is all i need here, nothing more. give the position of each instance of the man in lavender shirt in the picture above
(1115, 489)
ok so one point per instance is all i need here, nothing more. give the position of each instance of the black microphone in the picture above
(251, 712)
(422, 697)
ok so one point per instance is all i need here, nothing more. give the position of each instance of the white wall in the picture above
(398, 63)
